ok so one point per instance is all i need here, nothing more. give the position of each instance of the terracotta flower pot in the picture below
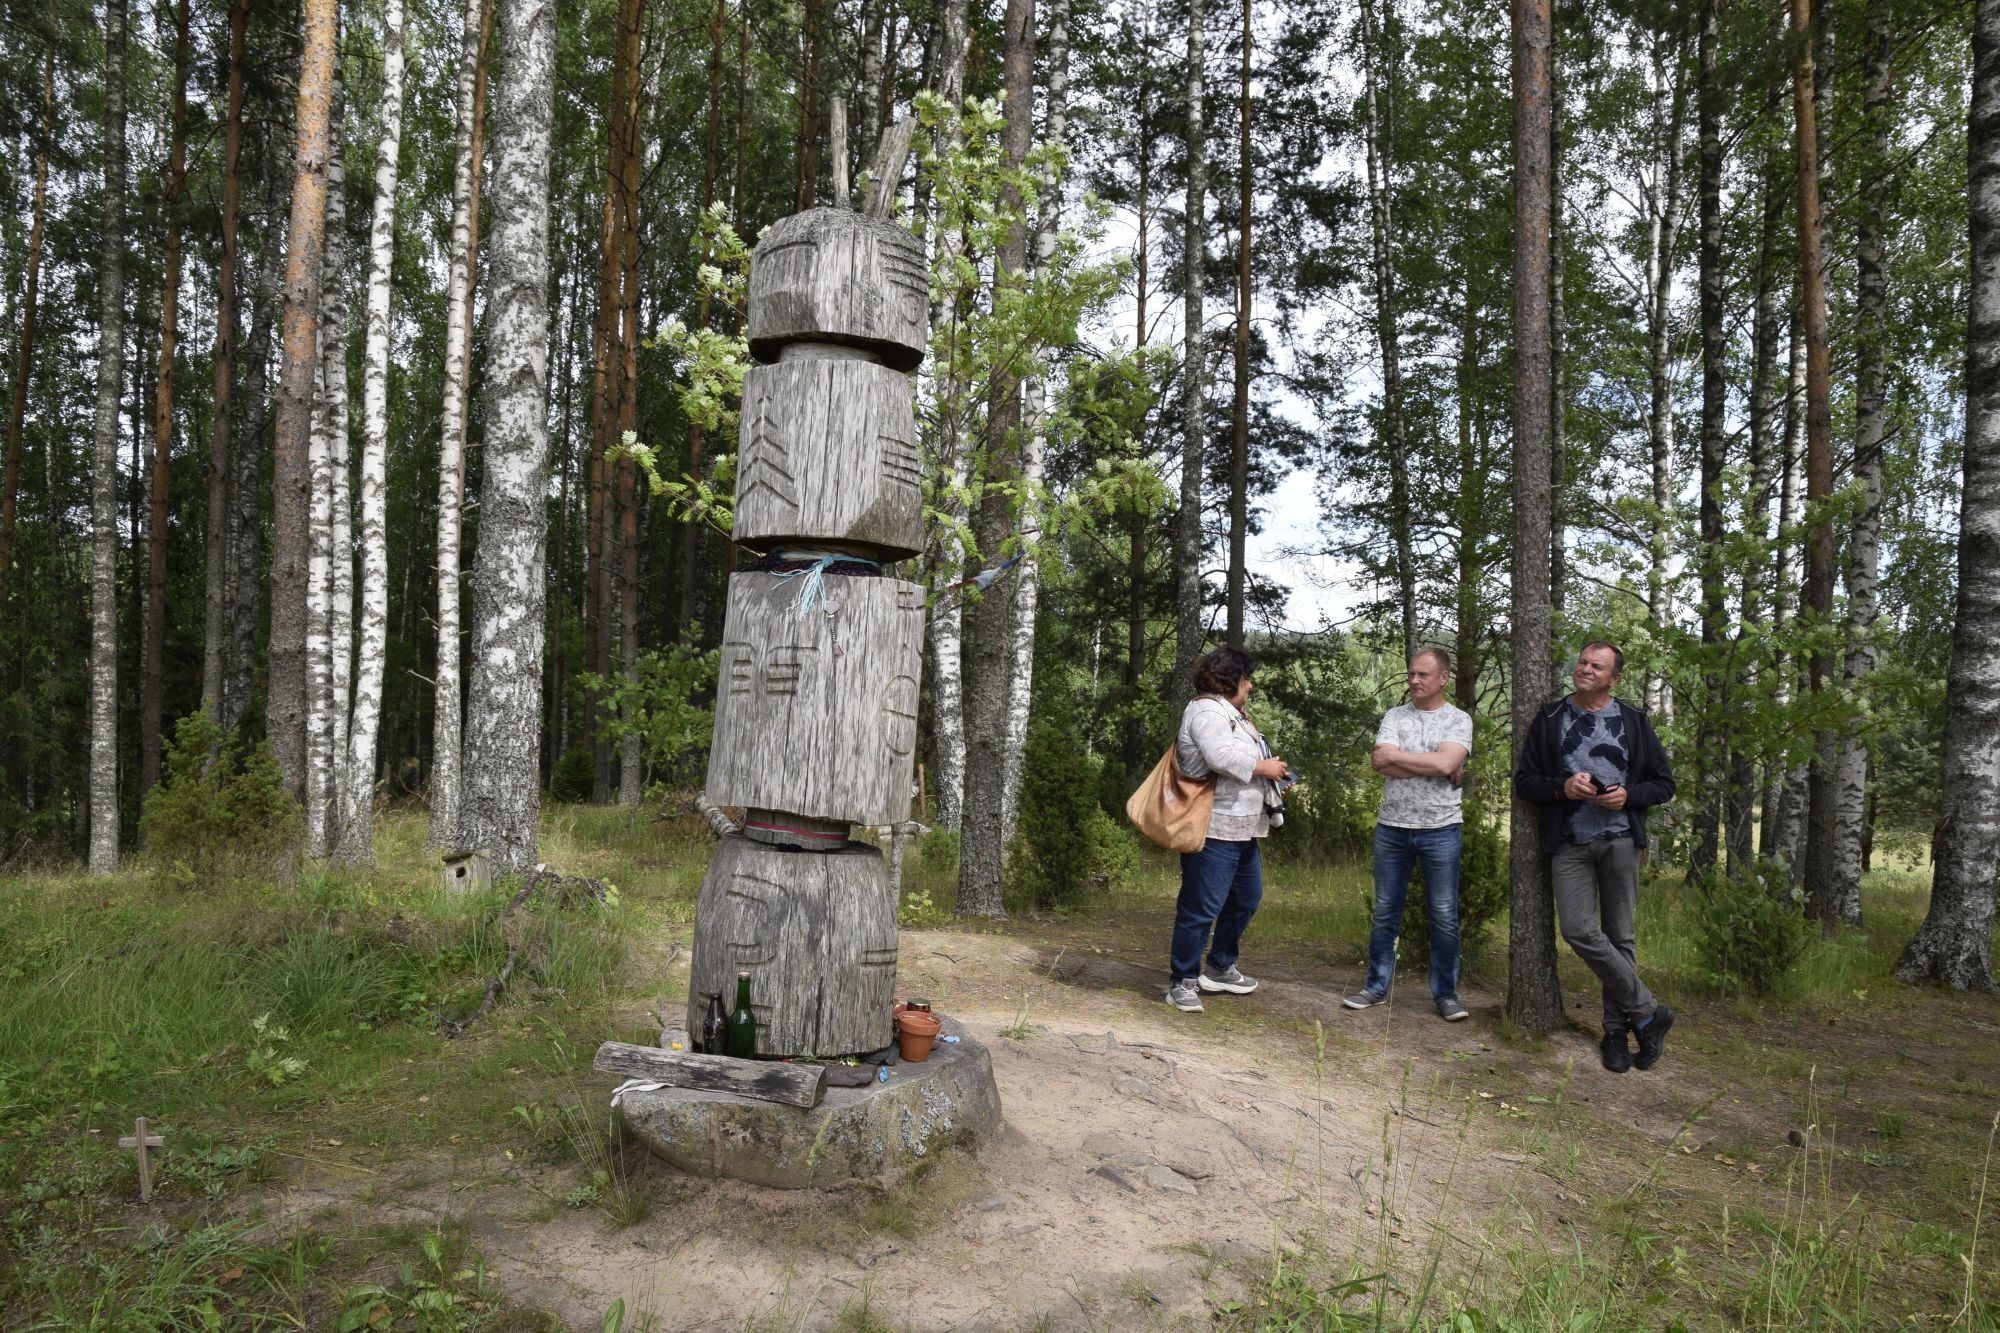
(915, 1033)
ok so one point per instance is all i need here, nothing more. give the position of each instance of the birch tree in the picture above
(104, 468)
(502, 791)
(330, 563)
(354, 840)
(1664, 197)
(1954, 945)
(446, 679)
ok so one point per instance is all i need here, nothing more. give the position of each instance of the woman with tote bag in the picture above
(1223, 880)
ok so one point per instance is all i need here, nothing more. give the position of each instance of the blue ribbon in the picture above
(813, 590)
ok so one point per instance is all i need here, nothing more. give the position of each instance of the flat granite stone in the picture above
(949, 1101)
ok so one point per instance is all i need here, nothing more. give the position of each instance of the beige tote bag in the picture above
(1171, 808)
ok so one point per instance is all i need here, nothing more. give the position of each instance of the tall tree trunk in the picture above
(104, 471)
(1239, 441)
(1534, 996)
(945, 630)
(1379, 134)
(630, 765)
(1870, 428)
(1188, 628)
(447, 775)
(805, 154)
(246, 483)
(1740, 810)
(1954, 946)
(215, 608)
(1663, 220)
(1558, 375)
(329, 553)
(868, 100)
(24, 353)
(692, 534)
(982, 845)
(354, 842)
(502, 800)
(154, 644)
(1710, 737)
(1821, 900)
(1028, 575)
(1785, 797)
(285, 706)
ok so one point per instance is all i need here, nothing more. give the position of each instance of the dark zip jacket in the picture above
(1649, 779)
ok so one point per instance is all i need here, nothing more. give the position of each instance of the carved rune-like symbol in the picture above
(739, 666)
(764, 460)
(900, 462)
(761, 906)
(903, 270)
(899, 715)
(783, 667)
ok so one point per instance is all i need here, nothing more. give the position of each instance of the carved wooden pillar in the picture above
(816, 708)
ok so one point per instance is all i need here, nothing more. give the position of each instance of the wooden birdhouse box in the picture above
(466, 871)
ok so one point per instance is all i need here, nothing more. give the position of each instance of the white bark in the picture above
(502, 794)
(354, 842)
(1664, 199)
(1034, 465)
(104, 461)
(1785, 798)
(330, 550)
(445, 730)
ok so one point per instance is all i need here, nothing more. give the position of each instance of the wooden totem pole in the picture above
(816, 706)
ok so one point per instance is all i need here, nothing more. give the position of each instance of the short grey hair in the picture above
(1437, 654)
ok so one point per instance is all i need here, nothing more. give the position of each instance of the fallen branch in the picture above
(567, 891)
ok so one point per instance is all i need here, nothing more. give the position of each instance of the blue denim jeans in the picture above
(1396, 851)
(1221, 886)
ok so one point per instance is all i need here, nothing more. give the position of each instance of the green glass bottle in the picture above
(742, 1023)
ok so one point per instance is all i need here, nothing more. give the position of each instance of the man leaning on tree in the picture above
(1594, 766)
(1420, 751)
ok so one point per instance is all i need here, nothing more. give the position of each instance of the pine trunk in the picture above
(1558, 375)
(1821, 900)
(104, 469)
(1534, 996)
(983, 845)
(1239, 439)
(285, 706)
(354, 842)
(24, 353)
(1711, 741)
(1870, 429)
(1188, 627)
(215, 600)
(1380, 112)
(447, 778)
(1954, 946)
(502, 801)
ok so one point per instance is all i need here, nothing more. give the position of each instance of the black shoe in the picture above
(1653, 1037)
(1617, 1055)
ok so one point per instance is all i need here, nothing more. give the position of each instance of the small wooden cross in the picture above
(140, 1140)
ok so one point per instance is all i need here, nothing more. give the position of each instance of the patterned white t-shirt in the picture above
(1422, 802)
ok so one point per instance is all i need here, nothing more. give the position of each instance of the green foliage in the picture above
(1751, 928)
(269, 1059)
(1067, 845)
(220, 812)
(572, 776)
(660, 704)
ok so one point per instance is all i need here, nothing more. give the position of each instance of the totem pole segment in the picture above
(831, 276)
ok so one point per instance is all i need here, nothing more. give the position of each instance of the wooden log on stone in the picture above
(830, 275)
(767, 1081)
(828, 453)
(817, 933)
(816, 713)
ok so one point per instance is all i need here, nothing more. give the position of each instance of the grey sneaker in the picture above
(1183, 996)
(1365, 999)
(1230, 980)
(1450, 1010)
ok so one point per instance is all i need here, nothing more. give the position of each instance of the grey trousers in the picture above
(1597, 891)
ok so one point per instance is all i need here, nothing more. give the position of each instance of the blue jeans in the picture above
(1396, 851)
(1221, 886)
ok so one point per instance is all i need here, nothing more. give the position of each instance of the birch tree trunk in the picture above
(945, 630)
(1870, 428)
(447, 690)
(502, 800)
(1820, 830)
(1784, 797)
(1534, 996)
(285, 706)
(329, 552)
(1664, 199)
(1954, 946)
(215, 599)
(354, 842)
(1028, 577)
(1188, 628)
(982, 845)
(1710, 738)
(104, 469)
(24, 352)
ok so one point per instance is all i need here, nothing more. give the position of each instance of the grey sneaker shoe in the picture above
(1183, 996)
(1450, 1010)
(1231, 981)
(1365, 999)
